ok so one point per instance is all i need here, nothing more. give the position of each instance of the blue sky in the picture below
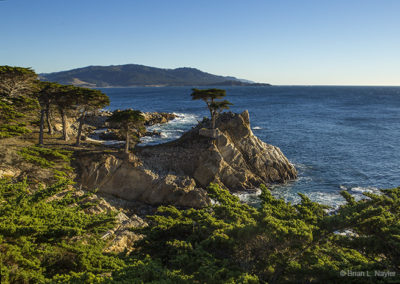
(285, 42)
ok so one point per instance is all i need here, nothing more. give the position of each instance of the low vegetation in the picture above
(48, 235)
(54, 240)
(40, 239)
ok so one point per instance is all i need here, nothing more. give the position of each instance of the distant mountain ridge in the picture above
(129, 75)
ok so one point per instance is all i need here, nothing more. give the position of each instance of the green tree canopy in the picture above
(127, 119)
(209, 96)
(17, 106)
(217, 107)
(16, 81)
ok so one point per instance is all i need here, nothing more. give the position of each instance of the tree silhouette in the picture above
(127, 120)
(217, 107)
(65, 100)
(16, 81)
(209, 96)
(45, 97)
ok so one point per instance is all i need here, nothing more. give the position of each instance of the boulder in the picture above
(128, 179)
(152, 118)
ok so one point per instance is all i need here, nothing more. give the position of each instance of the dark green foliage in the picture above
(228, 242)
(128, 120)
(219, 106)
(7, 130)
(45, 157)
(16, 106)
(57, 160)
(276, 243)
(46, 236)
(40, 239)
(126, 117)
(8, 112)
(209, 96)
(16, 81)
(90, 99)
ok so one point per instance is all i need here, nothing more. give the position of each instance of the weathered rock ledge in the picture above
(98, 120)
(177, 172)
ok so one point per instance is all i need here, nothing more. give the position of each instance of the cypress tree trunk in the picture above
(211, 113)
(64, 124)
(48, 119)
(42, 113)
(210, 109)
(213, 120)
(127, 140)
(78, 137)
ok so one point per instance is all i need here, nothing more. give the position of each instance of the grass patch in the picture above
(8, 130)
(45, 157)
(58, 160)
(42, 241)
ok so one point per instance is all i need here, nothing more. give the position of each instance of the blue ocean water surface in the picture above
(339, 138)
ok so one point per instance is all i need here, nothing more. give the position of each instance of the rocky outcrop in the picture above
(113, 132)
(127, 178)
(231, 155)
(177, 172)
(152, 118)
(122, 237)
(98, 120)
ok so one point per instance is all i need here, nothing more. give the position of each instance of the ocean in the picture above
(338, 138)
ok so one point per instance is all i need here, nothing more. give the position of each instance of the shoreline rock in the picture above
(127, 178)
(177, 172)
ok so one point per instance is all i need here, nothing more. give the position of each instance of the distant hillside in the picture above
(139, 75)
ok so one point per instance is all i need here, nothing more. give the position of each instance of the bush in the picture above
(232, 242)
(41, 239)
(7, 130)
(45, 157)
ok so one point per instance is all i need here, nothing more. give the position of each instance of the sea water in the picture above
(338, 138)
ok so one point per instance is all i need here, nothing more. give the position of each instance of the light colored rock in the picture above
(8, 172)
(123, 242)
(129, 180)
(230, 155)
(177, 172)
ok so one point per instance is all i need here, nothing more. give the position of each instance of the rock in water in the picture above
(177, 172)
(230, 155)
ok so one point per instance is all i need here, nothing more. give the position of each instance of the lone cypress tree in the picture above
(217, 107)
(209, 96)
(127, 120)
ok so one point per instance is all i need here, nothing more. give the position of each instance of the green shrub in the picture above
(41, 239)
(227, 242)
(7, 130)
(231, 242)
(45, 157)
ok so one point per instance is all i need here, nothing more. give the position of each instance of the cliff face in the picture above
(126, 177)
(176, 172)
(230, 155)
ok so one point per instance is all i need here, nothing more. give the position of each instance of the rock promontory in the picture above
(177, 172)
